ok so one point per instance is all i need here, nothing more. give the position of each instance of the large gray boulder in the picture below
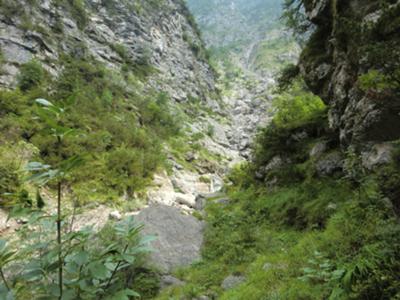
(179, 237)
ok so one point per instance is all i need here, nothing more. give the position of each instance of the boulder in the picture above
(232, 281)
(330, 164)
(200, 202)
(115, 215)
(185, 199)
(191, 156)
(178, 237)
(217, 184)
(168, 280)
(380, 154)
(318, 149)
(275, 163)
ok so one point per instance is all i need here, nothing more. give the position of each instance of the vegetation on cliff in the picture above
(298, 228)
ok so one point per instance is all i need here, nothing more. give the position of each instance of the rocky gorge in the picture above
(158, 149)
(162, 36)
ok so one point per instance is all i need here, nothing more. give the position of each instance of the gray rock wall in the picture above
(157, 31)
(351, 39)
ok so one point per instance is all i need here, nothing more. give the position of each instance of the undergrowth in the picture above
(305, 235)
(122, 128)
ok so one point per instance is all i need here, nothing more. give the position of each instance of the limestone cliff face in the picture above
(352, 62)
(157, 32)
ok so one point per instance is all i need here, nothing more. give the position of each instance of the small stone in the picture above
(168, 280)
(191, 156)
(318, 149)
(380, 154)
(216, 184)
(22, 221)
(115, 215)
(275, 163)
(177, 166)
(300, 136)
(200, 202)
(267, 266)
(202, 297)
(330, 164)
(223, 201)
(186, 199)
(232, 281)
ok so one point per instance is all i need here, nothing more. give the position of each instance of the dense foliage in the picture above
(56, 259)
(96, 265)
(112, 115)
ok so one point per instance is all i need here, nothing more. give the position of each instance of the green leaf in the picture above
(44, 102)
(110, 266)
(124, 295)
(18, 211)
(36, 166)
(308, 270)
(43, 178)
(128, 258)
(6, 255)
(50, 120)
(147, 239)
(71, 163)
(69, 294)
(81, 258)
(98, 270)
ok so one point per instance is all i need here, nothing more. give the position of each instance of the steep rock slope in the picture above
(112, 32)
(352, 62)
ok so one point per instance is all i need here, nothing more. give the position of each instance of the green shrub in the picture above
(296, 107)
(146, 283)
(287, 76)
(10, 182)
(210, 130)
(296, 112)
(115, 113)
(10, 9)
(131, 169)
(31, 75)
(121, 51)
(79, 13)
(377, 81)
